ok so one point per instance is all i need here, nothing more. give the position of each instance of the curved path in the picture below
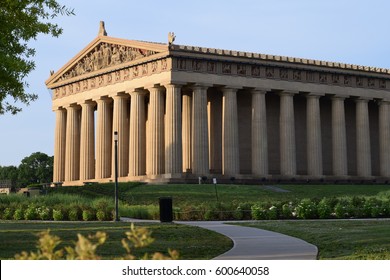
(257, 244)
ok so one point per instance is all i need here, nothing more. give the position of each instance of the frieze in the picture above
(371, 83)
(323, 78)
(105, 55)
(255, 71)
(284, 74)
(270, 72)
(211, 66)
(241, 69)
(297, 75)
(111, 78)
(335, 79)
(226, 68)
(277, 73)
(359, 81)
(197, 65)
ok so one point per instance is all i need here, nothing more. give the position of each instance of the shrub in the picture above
(306, 209)
(288, 210)
(238, 214)
(344, 209)
(371, 207)
(58, 215)
(31, 213)
(272, 213)
(324, 208)
(74, 214)
(8, 213)
(88, 215)
(245, 209)
(258, 213)
(101, 215)
(18, 214)
(44, 213)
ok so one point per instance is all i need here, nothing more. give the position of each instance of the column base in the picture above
(188, 178)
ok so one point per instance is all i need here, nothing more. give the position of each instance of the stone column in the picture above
(200, 146)
(155, 149)
(230, 148)
(59, 146)
(259, 134)
(103, 138)
(120, 124)
(173, 133)
(314, 143)
(384, 138)
(137, 150)
(288, 165)
(87, 146)
(339, 138)
(186, 132)
(363, 148)
(72, 154)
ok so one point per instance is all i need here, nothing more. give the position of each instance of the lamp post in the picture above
(116, 175)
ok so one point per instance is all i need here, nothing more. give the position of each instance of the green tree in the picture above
(36, 168)
(20, 22)
(9, 173)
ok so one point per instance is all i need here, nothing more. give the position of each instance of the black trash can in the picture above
(166, 213)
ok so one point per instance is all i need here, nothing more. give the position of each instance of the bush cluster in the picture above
(326, 208)
(71, 207)
(56, 208)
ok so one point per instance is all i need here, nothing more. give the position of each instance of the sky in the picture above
(347, 31)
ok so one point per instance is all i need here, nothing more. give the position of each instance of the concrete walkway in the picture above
(258, 244)
(255, 244)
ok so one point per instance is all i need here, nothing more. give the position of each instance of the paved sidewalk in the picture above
(255, 244)
(258, 244)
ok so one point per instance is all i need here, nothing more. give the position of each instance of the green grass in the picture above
(190, 242)
(338, 239)
(141, 194)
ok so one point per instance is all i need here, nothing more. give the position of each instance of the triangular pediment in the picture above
(101, 55)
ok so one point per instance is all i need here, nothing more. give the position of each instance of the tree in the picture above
(10, 174)
(36, 168)
(21, 21)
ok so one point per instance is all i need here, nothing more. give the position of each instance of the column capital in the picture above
(72, 106)
(383, 102)
(230, 89)
(287, 93)
(87, 103)
(59, 108)
(200, 86)
(120, 96)
(362, 100)
(173, 85)
(339, 97)
(137, 91)
(103, 99)
(258, 91)
(154, 88)
(315, 94)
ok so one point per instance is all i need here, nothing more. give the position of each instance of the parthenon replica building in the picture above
(183, 112)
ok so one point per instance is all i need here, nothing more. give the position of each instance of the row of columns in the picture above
(171, 136)
(339, 138)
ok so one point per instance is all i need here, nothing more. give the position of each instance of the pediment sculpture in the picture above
(105, 55)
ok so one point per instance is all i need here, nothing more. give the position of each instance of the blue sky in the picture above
(348, 31)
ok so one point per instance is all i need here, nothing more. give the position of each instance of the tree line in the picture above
(34, 169)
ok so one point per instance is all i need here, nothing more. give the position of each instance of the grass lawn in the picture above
(190, 242)
(338, 239)
(190, 194)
